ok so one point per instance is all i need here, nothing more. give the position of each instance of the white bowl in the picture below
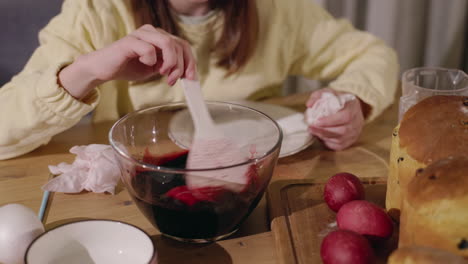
(92, 241)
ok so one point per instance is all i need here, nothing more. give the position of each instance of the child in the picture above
(116, 56)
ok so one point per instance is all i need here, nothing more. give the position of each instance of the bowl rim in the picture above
(173, 170)
(136, 228)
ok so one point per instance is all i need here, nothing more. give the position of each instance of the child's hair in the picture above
(238, 39)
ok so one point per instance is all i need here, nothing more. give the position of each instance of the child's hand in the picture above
(340, 130)
(143, 53)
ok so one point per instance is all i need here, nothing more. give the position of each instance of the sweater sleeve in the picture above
(33, 106)
(354, 61)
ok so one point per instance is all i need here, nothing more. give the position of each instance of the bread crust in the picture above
(435, 207)
(426, 255)
(433, 129)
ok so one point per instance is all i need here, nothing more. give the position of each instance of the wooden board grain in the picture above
(300, 219)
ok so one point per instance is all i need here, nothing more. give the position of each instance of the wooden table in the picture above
(22, 177)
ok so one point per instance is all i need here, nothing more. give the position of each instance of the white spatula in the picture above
(211, 148)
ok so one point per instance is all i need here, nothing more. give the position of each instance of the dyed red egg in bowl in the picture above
(201, 204)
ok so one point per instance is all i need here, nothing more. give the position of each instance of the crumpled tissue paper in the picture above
(95, 169)
(326, 105)
(295, 127)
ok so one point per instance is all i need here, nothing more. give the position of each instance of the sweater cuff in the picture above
(57, 100)
(365, 93)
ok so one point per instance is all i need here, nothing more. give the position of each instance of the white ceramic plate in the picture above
(92, 241)
(292, 143)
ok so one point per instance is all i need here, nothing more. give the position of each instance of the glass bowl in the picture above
(152, 146)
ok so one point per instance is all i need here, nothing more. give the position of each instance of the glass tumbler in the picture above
(420, 83)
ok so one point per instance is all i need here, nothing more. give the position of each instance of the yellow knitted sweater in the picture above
(295, 38)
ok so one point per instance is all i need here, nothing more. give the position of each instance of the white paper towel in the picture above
(95, 169)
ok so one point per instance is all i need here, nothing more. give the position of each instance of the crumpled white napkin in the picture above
(326, 105)
(296, 126)
(95, 169)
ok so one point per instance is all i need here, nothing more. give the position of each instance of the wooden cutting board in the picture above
(301, 219)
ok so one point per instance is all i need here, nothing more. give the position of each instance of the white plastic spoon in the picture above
(211, 148)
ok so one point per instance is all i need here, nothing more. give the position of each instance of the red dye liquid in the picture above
(202, 213)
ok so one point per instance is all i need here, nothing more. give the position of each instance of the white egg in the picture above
(19, 226)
